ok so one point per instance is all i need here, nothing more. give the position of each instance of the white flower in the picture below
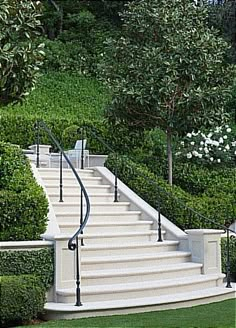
(235, 152)
(220, 148)
(195, 153)
(192, 143)
(189, 155)
(206, 150)
(209, 135)
(211, 159)
(221, 140)
(189, 135)
(202, 143)
(182, 143)
(233, 143)
(200, 155)
(228, 130)
(215, 143)
(227, 147)
(178, 153)
(225, 137)
(226, 126)
(218, 160)
(200, 148)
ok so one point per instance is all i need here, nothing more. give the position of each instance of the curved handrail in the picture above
(71, 243)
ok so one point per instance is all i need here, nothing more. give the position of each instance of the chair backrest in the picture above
(78, 144)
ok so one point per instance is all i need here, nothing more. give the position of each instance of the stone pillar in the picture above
(204, 244)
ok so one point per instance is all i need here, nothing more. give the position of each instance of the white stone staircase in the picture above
(123, 267)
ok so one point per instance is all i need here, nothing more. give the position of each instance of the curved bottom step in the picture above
(54, 311)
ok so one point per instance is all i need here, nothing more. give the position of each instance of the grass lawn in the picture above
(220, 315)
(63, 94)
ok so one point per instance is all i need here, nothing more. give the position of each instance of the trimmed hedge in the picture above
(174, 200)
(35, 262)
(22, 298)
(23, 204)
(232, 254)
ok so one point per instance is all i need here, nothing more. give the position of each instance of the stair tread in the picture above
(109, 235)
(94, 203)
(139, 270)
(103, 213)
(144, 301)
(133, 245)
(130, 286)
(52, 169)
(105, 223)
(133, 257)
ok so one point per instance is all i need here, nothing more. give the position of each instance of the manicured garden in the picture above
(158, 100)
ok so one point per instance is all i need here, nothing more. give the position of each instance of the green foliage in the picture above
(232, 254)
(197, 179)
(168, 68)
(64, 96)
(20, 57)
(34, 262)
(22, 298)
(23, 204)
(174, 201)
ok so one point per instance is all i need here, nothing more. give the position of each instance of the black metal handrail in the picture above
(199, 215)
(100, 139)
(73, 243)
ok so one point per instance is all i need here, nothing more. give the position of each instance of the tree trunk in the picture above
(169, 154)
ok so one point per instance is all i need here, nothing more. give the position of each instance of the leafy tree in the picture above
(168, 69)
(20, 58)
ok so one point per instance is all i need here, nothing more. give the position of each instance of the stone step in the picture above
(114, 238)
(139, 248)
(56, 311)
(72, 181)
(106, 227)
(137, 290)
(70, 197)
(133, 261)
(143, 274)
(98, 217)
(75, 188)
(95, 207)
(55, 172)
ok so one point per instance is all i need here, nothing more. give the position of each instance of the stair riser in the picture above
(154, 291)
(108, 229)
(73, 181)
(54, 188)
(76, 198)
(139, 277)
(66, 174)
(120, 239)
(99, 218)
(134, 264)
(111, 208)
(127, 250)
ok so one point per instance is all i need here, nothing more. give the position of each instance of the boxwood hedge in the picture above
(176, 204)
(22, 298)
(23, 204)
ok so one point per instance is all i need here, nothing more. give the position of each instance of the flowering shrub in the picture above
(216, 147)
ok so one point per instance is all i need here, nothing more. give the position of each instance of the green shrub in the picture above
(174, 201)
(23, 204)
(232, 254)
(22, 298)
(38, 262)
